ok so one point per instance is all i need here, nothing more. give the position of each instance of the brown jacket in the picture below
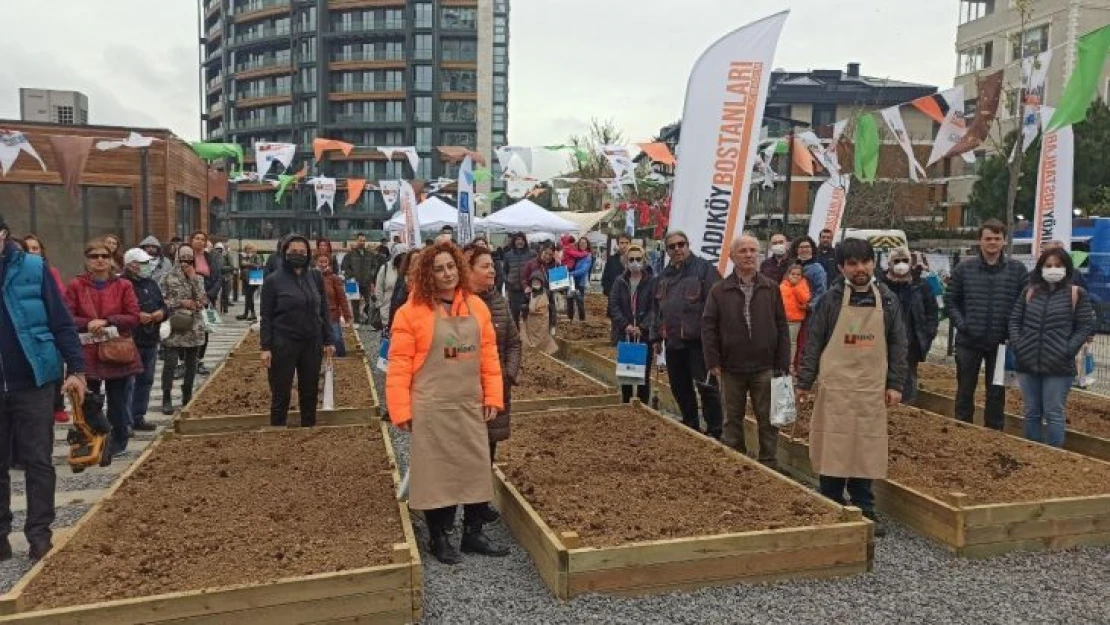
(508, 350)
(338, 306)
(727, 340)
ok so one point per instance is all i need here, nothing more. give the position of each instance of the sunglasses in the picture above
(186, 261)
(676, 246)
(98, 256)
(899, 262)
(635, 259)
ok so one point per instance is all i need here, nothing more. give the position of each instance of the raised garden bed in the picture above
(297, 526)
(545, 383)
(597, 306)
(653, 507)
(977, 491)
(238, 398)
(592, 330)
(1088, 415)
(249, 347)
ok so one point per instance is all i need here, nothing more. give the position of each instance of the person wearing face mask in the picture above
(535, 327)
(775, 266)
(920, 313)
(632, 307)
(138, 267)
(339, 308)
(183, 292)
(515, 259)
(545, 262)
(856, 360)
(295, 333)
(1049, 325)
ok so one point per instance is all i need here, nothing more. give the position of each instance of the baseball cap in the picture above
(136, 255)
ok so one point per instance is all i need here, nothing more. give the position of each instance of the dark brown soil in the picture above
(209, 512)
(592, 329)
(938, 456)
(620, 475)
(542, 377)
(250, 342)
(1085, 413)
(597, 305)
(241, 388)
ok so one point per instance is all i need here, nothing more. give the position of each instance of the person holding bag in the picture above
(632, 306)
(183, 291)
(98, 300)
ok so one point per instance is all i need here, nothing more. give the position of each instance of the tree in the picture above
(588, 193)
(990, 197)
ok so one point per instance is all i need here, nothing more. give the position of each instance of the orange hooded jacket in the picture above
(411, 340)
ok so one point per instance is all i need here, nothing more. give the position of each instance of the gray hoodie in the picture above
(162, 265)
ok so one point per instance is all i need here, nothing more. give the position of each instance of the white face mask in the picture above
(900, 269)
(1052, 275)
(778, 249)
(636, 266)
(146, 270)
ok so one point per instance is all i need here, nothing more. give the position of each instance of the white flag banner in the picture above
(266, 154)
(517, 189)
(630, 221)
(828, 206)
(954, 127)
(621, 162)
(764, 163)
(410, 236)
(1034, 75)
(414, 158)
(391, 190)
(12, 142)
(325, 192)
(616, 189)
(466, 201)
(1055, 186)
(564, 197)
(897, 125)
(133, 140)
(514, 160)
(725, 97)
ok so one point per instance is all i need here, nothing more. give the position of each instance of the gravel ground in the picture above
(914, 581)
(12, 570)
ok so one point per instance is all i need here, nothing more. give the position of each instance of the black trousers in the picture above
(203, 348)
(303, 358)
(248, 294)
(968, 362)
(443, 519)
(517, 302)
(859, 490)
(27, 423)
(643, 390)
(191, 356)
(687, 372)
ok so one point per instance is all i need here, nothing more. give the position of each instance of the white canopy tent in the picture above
(527, 216)
(433, 214)
(586, 221)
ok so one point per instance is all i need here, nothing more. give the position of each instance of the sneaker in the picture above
(61, 416)
(142, 425)
(241, 317)
(202, 369)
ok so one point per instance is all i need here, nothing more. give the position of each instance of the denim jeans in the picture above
(859, 490)
(337, 337)
(119, 411)
(139, 385)
(1044, 397)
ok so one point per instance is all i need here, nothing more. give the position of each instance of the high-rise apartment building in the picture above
(69, 108)
(421, 73)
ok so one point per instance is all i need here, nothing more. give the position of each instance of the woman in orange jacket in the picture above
(795, 298)
(444, 384)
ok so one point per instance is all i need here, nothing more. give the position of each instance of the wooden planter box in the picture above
(606, 395)
(1080, 443)
(354, 348)
(391, 593)
(976, 531)
(568, 569)
(188, 421)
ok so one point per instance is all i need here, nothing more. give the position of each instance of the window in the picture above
(460, 50)
(307, 111)
(422, 47)
(464, 138)
(423, 138)
(971, 10)
(458, 112)
(308, 79)
(824, 115)
(188, 214)
(976, 58)
(423, 15)
(423, 109)
(500, 59)
(394, 19)
(461, 80)
(308, 19)
(308, 49)
(458, 18)
(501, 29)
(425, 166)
(62, 115)
(422, 79)
(500, 88)
(1033, 42)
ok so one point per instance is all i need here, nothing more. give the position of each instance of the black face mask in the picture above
(297, 261)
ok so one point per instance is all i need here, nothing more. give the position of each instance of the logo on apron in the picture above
(453, 351)
(859, 341)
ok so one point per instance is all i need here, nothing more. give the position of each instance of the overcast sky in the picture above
(570, 60)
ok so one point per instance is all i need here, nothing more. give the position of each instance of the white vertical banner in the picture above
(1034, 75)
(722, 117)
(564, 197)
(1055, 186)
(897, 125)
(390, 191)
(410, 236)
(630, 221)
(325, 193)
(828, 206)
(466, 201)
(621, 161)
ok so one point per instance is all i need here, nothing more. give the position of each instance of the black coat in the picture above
(980, 299)
(620, 304)
(294, 306)
(150, 301)
(1047, 330)
(514, 263)
(614, 268)
(920, 312)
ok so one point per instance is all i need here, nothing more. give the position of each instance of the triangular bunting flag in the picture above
(12, 142)
(319, 146)
(355, 187)
(70, 156)
(133, 140)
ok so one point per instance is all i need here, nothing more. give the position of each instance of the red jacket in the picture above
(117, 303)
(571, 253)
(338, 305)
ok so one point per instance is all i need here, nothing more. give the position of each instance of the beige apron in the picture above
(848, 435)
(449, 461)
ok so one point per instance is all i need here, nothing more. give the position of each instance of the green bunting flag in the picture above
(482, 175)
(867, 148)
(214, 151)
(284, 182)
(1083, 84)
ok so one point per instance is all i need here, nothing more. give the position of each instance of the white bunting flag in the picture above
(1034, 74)
(410, 236)
(954, 127)
(515, 161)
(615, 188)
(828, 206)
(624, 171)
(517, 189)
(897, 125)
(266, 154)
(764, 163)
(826, 157)
(409, 152)
(630, 222)
(133, 140)
(1052, 218)
(325, 192)
(12, 142)
(564, 197)
(390, 192)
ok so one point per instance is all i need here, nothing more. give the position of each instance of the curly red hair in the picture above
(422, 279)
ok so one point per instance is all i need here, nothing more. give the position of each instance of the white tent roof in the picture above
(433, 214)
(527, 216)
(585, 221)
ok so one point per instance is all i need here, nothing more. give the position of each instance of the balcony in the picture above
(216, 31)
(267, 121)
(364, 4)
(458, 59)
(216, 84)
(216, 133)
(216, 110)
(361, 60)
(369, 87)
(367, 27)
(267, 67)
(260, 9)
(212, 8)
(261, 34)
(262, 97)
(341, 119)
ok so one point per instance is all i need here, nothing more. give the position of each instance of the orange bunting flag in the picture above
(319, 146)
(803, 159)
(456, 154)
(355, 187)
(658, 152)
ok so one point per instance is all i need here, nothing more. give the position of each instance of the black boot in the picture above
(167, 405)
(5, 549)
(474, 541)
(241, 317)
(441, 547)
(880, 529)
(489, 514)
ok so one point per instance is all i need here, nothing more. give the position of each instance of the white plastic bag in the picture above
(784, 411)
(329, 386)
(211, 319)
(164, 330)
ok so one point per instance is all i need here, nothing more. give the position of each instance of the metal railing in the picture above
(460, 56)
(264, 63)
(267, 92)
(254, 6)
(215, 82)
(269, 120)
(359, 26)
(368, 87)
(360, 56)
(257, 34)
(344, 118)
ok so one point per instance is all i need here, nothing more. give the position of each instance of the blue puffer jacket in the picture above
(581, 273)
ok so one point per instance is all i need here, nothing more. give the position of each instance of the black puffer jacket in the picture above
(508, 350)
(1047, 331)
(980, 298)
(680, 294)
(514, 263)
(920, 313)
(294, 306)
(620, 304)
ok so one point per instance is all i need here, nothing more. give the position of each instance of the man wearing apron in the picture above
(444, 383)
(856, 356)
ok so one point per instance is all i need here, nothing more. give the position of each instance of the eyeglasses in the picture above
(677, 245)
(98, 256)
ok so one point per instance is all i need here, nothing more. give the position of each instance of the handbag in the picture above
(117, 351)
(181, 321)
